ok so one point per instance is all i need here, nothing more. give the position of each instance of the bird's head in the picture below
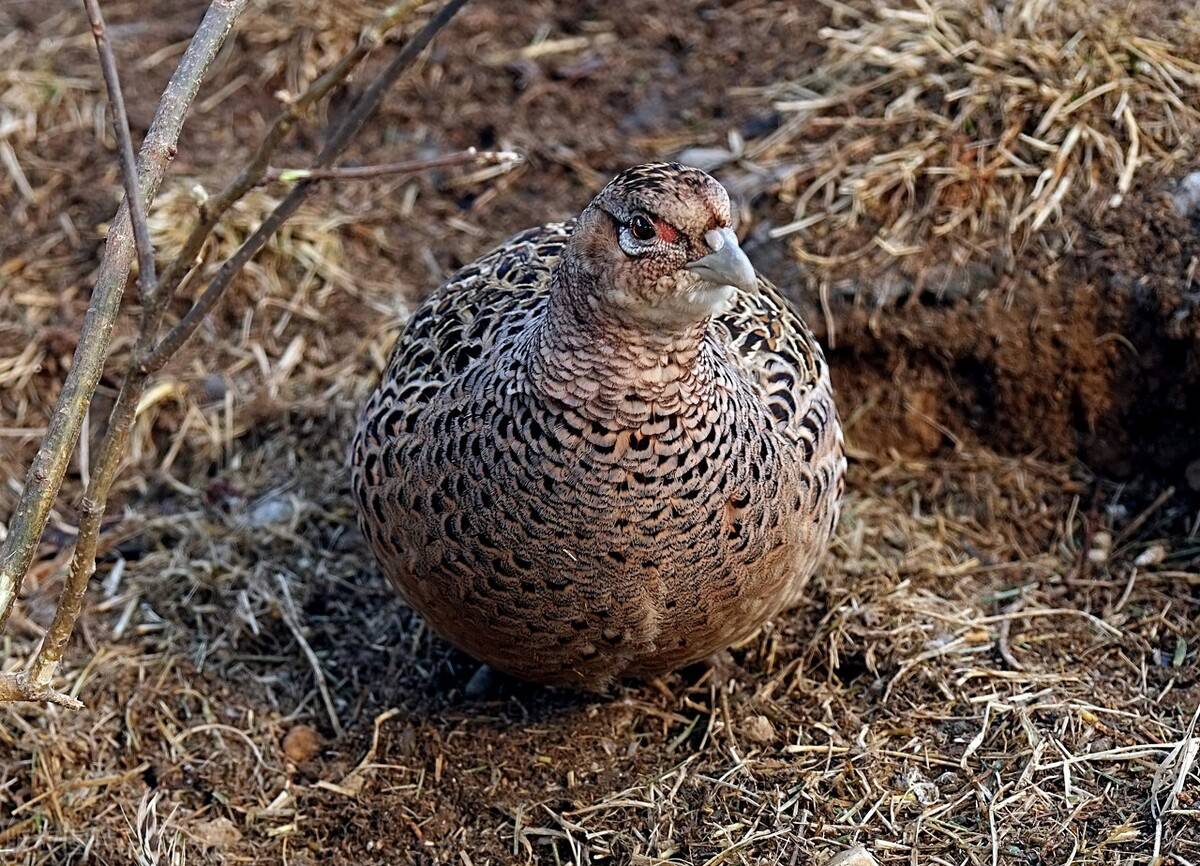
(657, 245)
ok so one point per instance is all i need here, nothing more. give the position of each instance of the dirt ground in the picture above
(999, 662)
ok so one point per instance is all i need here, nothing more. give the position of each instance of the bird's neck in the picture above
(601, 363)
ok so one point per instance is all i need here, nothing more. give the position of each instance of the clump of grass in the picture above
(302, 265)
(965, 128)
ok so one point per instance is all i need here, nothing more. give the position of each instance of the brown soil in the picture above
(1093, 357)
(997, 660)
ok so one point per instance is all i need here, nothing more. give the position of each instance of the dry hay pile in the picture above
(999, 664)
(960, 129)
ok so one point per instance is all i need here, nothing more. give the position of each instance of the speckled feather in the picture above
(565, 528)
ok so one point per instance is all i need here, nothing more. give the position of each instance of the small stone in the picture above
(857, 856)
(270, 511)
(706, 158)
(213, 388)
(301, 744)
(758, 729)
(924, 791)
(1186, 196)
(217, 833)
(1101, 546)
(1192, 474)
(1152, 555)
(484, 683)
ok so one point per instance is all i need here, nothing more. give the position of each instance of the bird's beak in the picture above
(726, 265)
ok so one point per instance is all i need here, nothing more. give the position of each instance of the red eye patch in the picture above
(666, 231)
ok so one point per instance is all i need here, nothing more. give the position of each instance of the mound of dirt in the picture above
(1094, 356)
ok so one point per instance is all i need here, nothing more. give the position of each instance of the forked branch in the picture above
(150, 355)
(45, 475)
(338, 137)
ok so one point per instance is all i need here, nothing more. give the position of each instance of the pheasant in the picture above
(607, 448)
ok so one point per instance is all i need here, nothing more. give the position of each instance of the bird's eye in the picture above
(642, 228)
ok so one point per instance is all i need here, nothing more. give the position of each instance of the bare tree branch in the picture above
(91, 511)
(252, 173)
(45, 475)
(19, 687)
(147, 281)
(412, 166)
(148, 358)
(36, 686)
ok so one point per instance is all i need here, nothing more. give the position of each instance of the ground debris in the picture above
(217, 657)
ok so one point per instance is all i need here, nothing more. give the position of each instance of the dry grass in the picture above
(972, 676)
(297, 55)
(966, 127)
(37, 102)
(998, 665)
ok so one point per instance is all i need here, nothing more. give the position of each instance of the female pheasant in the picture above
(607, 447)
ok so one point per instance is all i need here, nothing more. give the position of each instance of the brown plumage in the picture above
(590, 455)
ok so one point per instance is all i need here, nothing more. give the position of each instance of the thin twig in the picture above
(44, 478)
(91, 509)
(1005, 630)
(124, 410)
(46, 472)
(83, 562)
(129, 175)
(1130, 529)
(412, 166)
(252, 173)
(292, 619)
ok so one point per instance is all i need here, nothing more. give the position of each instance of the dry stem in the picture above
(253, 172)
(19, 687)
(45, 475)
(36, 686)
(129, 178)
(412, 166)
(83, 561)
